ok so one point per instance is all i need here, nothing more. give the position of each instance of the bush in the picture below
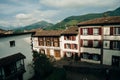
(58, 74)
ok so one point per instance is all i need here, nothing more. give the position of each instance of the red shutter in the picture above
(90, 31)
(71, 46)
(64, 45)
(111, 30)
(64, 37)
(73, 38)
(81, 43)
(100, 31)
(81, 31)
(90, 43)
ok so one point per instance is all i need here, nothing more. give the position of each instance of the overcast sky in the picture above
(24, 12)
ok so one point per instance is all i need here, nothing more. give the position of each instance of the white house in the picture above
(100, 40)
(11, 44)
(70, 42)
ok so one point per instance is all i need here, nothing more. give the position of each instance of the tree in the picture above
(42, 66)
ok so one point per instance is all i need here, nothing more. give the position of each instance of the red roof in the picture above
(101, 21)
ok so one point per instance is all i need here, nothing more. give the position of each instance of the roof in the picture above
(15, 34)
(11, 59)
(48, 33)
(101, 21)
(71, 30)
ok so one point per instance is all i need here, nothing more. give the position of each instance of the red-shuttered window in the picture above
(74, 46)
(81, 31)
(85, 43)
(73, 38)
(90, 43)
(64, 37)
(81, 43)
(64, 45)
(100, 31)
(90, 31)
(111, 30)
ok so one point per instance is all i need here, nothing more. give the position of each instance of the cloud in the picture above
(78, 3)
(23, 16)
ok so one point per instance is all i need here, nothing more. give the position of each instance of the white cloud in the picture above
(23, 16)
(78, 3)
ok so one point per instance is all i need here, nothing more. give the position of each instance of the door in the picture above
(48, 52)
(57, 53)
(116, 61)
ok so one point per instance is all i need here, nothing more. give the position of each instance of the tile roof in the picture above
(49, 33)
(101, 21)
(71, 30)
(11, 59)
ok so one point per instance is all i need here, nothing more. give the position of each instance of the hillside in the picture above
(73, 20)
(41, 24)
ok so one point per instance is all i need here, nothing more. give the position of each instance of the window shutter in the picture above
(90, 31)
(81, 43)
(73, 38)
(81, 31)
(111, 30)
(90, 43)
(64, 45)
(111, 44)
(100, 31)
(64, 37)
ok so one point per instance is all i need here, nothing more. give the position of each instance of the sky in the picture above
(24, 12)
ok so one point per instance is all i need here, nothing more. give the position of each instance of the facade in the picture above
(15, 43)
(48, 42)
(100, 40)
(70, 44)
(12, 67)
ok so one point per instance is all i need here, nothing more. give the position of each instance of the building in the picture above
(48, 42)
(15, 43)
(12, 67)
(100, 40)
(70, 44)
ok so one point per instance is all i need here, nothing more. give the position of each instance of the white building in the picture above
(48, 42)
(11, 44)
(100, 40)
(70, 42)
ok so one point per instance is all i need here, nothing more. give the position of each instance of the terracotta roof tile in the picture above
(101, 21)
(71, 30)
(49, 33)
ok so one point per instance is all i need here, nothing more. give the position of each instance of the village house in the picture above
(100, 40)
(10, 45)
(48, 42)
(70, 44)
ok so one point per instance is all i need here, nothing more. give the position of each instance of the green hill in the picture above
(73, 20)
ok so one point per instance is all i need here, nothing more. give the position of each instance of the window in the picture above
(116, 45)
(85, 31)
(95, 57)
(117, 31)
(95, 43)
(68, 46)
(85, 55)
(74, 46)
(85, 43)
(48, 43)
(95, 31)
(106, 44)
(56, 44)
(12, 43)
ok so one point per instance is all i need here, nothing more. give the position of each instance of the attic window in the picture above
(12, 43)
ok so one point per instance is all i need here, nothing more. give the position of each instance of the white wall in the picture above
(23, 45)
(107, 56)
